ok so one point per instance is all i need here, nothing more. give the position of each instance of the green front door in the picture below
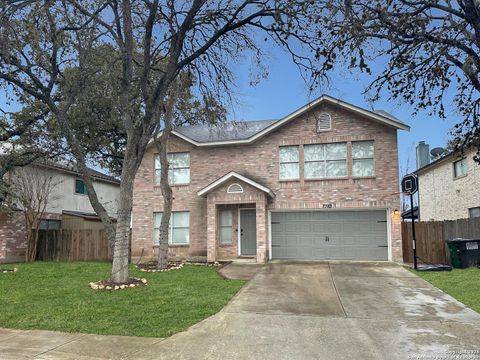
(248, 232)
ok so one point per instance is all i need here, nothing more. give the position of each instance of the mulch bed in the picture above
(109, 285)
(8, 271)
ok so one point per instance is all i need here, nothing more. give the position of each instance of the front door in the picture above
(248, 232)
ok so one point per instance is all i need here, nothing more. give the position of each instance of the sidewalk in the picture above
(40, 344)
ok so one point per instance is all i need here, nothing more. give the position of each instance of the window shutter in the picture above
(324, 122)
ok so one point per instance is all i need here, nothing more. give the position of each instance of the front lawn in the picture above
(462, 284)
(56, 296)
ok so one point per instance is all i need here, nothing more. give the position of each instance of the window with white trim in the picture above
(325, 160)
(225, 226)
(460, 168)
(235, 188)
(178, 229)
(178, 169)
(363, 163)
(289, 163)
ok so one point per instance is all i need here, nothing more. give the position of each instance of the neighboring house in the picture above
(69, 208)
(320, 183)
(449, 187)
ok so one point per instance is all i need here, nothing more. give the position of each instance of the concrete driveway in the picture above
(331, 310)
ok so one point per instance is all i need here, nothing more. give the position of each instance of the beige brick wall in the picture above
(442, 197)
(259, 161)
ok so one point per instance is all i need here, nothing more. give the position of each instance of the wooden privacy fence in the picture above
(431, 237)
(73, 245)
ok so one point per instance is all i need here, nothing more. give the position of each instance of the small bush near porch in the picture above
(56, 296)
(462, 284)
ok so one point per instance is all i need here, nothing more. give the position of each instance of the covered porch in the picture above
(237, 218)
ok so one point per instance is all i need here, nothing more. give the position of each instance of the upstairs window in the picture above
(325, 160)
(80, 187)
(363, 163)
(178, 169)
(289, 163)
(460, 168)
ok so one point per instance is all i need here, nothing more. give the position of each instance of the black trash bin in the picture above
(467, 251)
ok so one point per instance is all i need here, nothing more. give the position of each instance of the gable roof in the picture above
(246, 132)
(72, 169)
(231, 175)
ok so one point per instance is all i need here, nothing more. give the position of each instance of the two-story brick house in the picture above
(320, 183)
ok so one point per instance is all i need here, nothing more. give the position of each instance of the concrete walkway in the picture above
(331, 310)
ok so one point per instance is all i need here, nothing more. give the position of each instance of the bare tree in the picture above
(431, 47)
(206, 38)
(33, 189)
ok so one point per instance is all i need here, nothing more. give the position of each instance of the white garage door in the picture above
(323, 235)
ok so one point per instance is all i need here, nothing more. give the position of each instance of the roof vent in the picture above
(324, 122)
(235, 188)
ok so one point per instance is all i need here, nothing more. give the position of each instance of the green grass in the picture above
(462, 284)
(56, 296)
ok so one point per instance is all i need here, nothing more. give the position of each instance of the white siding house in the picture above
(68, 197)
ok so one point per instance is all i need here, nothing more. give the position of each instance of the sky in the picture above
(284, 91)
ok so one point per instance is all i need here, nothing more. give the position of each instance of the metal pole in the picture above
(413, 233)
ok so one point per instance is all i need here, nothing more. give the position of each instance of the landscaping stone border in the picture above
(108, 285)
(151, 267)
(8, 271)
(176, 265)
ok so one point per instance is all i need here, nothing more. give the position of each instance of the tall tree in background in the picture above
(39, 40)
(430, 47)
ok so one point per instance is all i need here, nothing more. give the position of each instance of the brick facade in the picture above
(259, 161)
(13, 235)
(443, 197)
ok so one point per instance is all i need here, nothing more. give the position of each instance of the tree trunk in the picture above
(34, 244)
(167, 199)
(122, 233)
(29, 239)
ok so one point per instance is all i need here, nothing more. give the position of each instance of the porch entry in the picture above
(248, 232)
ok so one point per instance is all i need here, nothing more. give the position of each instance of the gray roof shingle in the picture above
(234, 130)
(245, 130)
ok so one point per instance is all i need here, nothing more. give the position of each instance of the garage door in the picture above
(323, 235)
